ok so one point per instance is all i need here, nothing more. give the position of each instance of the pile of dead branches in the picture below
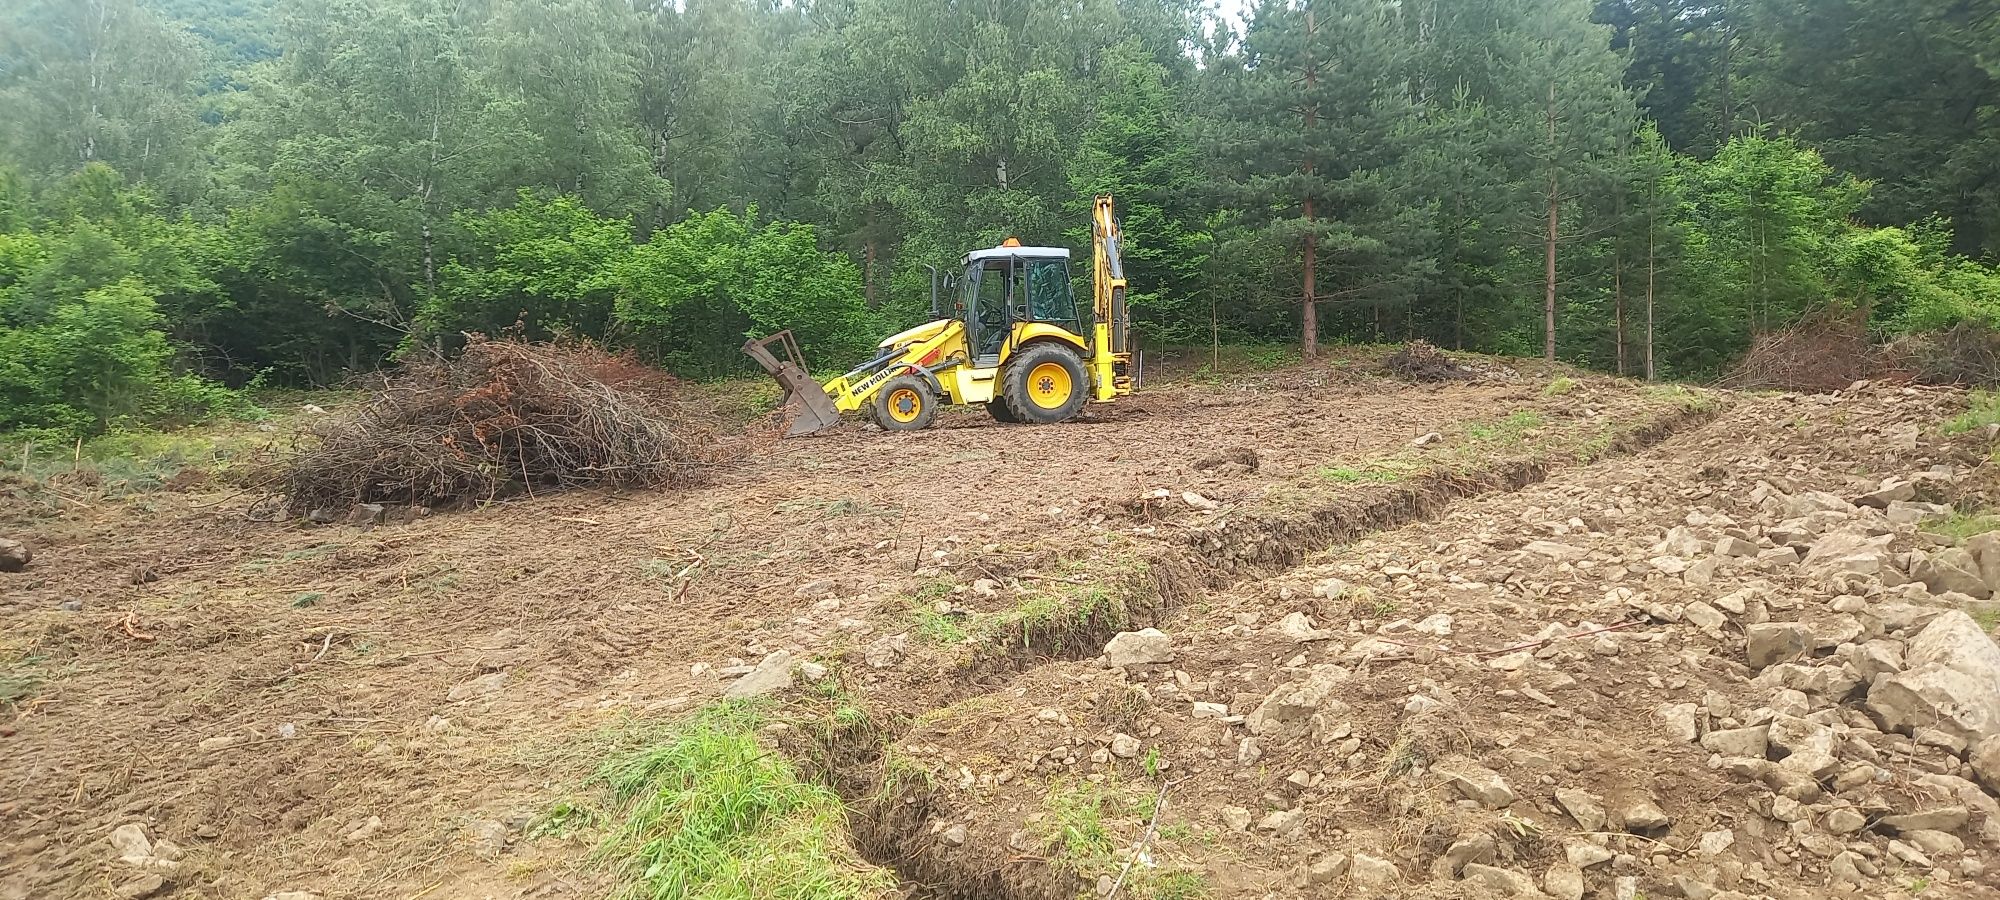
(503, 418)
(1965, 354)
(1817, 354)
(1423, 361)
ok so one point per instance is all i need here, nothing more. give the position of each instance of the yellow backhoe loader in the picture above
(1012, 338)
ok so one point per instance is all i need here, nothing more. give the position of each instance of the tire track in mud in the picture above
(889, 809)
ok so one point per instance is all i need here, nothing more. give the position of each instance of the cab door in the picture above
(990, 295)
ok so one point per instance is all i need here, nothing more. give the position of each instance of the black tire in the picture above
(997, 408)
(1032, 389)
(906, 403)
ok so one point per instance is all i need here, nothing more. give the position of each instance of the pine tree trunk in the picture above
(1728, 102)
(1618, 305)
(1309, 312)
(1652, 264)
(1549, 242)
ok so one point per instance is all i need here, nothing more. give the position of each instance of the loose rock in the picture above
(14, 555)
(1139, 648)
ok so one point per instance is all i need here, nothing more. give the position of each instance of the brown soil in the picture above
(259, 694)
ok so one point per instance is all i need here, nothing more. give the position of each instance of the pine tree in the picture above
(1315, 127)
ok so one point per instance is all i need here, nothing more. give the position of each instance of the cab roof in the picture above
(1003, 252)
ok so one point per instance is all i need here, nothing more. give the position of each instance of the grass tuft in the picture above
(1961, 525)
(1983, 410)
(1558, 386)
(709, 813)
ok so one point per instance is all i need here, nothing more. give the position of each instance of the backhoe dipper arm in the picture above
(1109, 340)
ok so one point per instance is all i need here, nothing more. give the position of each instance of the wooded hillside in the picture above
(197, 193)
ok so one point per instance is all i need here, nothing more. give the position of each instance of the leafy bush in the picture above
(690, 295)
(545, 263)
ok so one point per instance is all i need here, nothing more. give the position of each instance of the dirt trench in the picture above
(892, 815)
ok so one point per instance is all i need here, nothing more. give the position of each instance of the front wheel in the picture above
(906, 403)
(1045, 383)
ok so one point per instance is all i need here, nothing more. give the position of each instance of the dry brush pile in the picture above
(505, 418)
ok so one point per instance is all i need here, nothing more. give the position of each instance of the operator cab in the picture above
(1011, 283)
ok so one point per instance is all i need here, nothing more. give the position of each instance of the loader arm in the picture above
(1110, 341)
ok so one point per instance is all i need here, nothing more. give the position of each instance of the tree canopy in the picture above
(196, 193)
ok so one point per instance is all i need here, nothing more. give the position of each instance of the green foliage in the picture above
(691, 294)
(708, 812)
(1982, 410)
(306, 190)
(546, 264)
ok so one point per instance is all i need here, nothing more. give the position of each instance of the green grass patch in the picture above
(1961, 525)
(1987, 616)
(1558, 386)
(1682, 396)
(708, 812)
(1983, 410)
(1509, 430)
(1074, 830)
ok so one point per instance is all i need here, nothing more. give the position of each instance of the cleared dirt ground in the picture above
(395, 711)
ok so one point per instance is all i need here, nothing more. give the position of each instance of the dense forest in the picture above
(196, 195)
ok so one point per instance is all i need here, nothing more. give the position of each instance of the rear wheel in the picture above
(905, 404)
(1045, 383)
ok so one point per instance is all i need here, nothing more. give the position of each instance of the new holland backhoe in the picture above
(1012, 338)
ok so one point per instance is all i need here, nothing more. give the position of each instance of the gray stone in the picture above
(1584, 855)
(1904, 512)
(1843, 820)
(886, 651)
(131, 842)
(955, 835)
(1705, 617)
(1850, 552)
(14, 555)
(489, 683)
(1640, 814)
(1563, 881)
(1805, 503)
(1299, 627)
(1476, 782)
(1750, 741)
(772, 675)
(1951, 570)
(1935, 843)
(1955, 641)
(1373, 873)
(1730, 545)
(1770, 643)
(1476, 848)
(1282, 822)
(1236, 818)
(1892, 490)
(1583, 807)
(1325, 869)
(1145, 647)
(1330, 588)
(1985, 760)
(1794, 735)
(1679, 719)
(1943, 818)
(1909, 854)
(1292, 703)
(1504, 882)
(1876, 657)
(1124, 746)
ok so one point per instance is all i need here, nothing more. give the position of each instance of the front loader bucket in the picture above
(806, 405)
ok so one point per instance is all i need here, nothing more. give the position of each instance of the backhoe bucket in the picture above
(806, 404)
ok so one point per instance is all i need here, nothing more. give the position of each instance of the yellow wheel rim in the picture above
(905, 405)
(1049, 385)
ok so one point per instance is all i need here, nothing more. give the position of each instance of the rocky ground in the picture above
(1734, 665)
(1321, 634)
